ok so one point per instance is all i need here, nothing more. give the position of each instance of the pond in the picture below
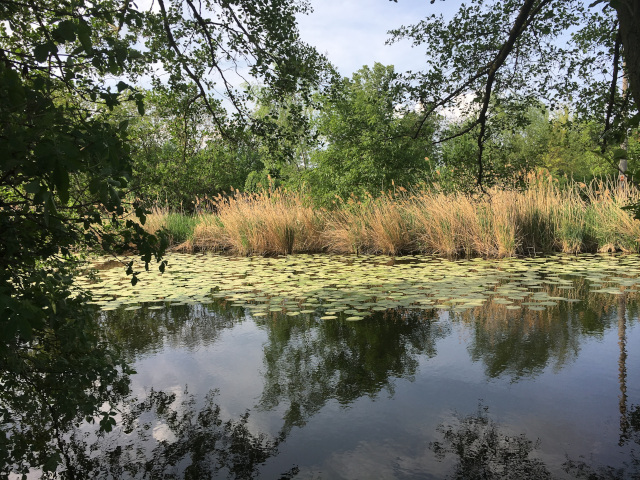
(316, 366)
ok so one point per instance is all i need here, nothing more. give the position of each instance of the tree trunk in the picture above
(629, 20)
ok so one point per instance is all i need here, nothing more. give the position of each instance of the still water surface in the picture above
(406, 392)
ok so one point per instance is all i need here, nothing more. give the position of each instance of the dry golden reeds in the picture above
(269, 222)
(539, 219)
(156, 219)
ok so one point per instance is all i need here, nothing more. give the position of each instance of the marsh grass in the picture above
(269, 222)
(156, 219)
(179, 227)
(501, 223)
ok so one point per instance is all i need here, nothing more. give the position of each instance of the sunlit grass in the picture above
(270, 222)
(501, 223)
(179, 227)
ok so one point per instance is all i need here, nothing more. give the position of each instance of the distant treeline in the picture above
(357, 136)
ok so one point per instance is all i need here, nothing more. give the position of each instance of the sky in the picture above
(352, 33)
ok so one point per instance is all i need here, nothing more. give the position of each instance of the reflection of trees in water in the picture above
(622, 368)
(523, 343)
(185, 326)
(484, 451)
(178, 439)
(309, 363)
(53, 384)
(582, 469)
(163, 438)
(629, 416)
(43, 413)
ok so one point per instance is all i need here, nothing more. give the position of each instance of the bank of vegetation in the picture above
(543, 217)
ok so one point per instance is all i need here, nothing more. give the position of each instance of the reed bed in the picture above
(270, 222)
(540, 219)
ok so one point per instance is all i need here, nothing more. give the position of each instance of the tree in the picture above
(517, 58)
(362, 125)
(485, 451)
(551, 141)
(286, 156)
(64, 172)
(178, 155)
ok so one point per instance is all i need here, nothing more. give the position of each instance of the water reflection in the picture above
(484, 451)
(70, 374)
(167, 436)
(523, 343)
(309, 363)
(190, 326)
(622, 368)
(171, 436)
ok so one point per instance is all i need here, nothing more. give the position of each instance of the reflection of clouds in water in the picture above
(384, 460)
(162, 433)
(230, 365)
(237, 357)
(464, 446)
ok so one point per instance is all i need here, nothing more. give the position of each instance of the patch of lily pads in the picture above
(354, 287)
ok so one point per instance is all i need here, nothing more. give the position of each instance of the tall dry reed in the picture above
(611, 226)
(382, 225)
(156, 219)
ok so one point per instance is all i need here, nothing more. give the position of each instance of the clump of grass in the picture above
(504, 234)
(208, 233)
(437, 226)
(570, 224)
(382, 225)
(156, 219)
(535, 214)
(346, 228)
(269, 222)
(390, 225)
(612, 227)
(180, 227)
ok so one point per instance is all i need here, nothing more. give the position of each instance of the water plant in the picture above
(351, 288)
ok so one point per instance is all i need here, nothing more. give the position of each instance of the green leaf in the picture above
(61, 181)
(24, 327)
(41, 52)
(52, 462)
(33, 187)
(84, 36)
(114, 196)
(65, 31)
(619, 153)
(107, 422)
